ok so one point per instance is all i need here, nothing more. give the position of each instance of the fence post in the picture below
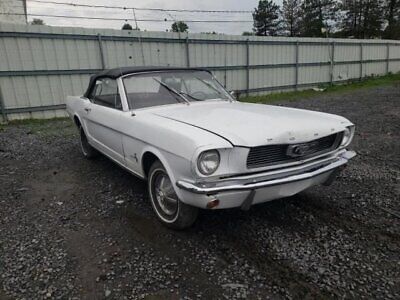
(361, 60)
(247, 67)
(187, 52)
(103, 64)
(332, 69)
(296, 74)
(387, 57)
(3, 108)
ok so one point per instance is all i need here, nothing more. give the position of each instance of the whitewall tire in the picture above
(168, 208)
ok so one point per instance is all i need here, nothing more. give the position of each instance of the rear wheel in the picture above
(88, 151)
(169, 209)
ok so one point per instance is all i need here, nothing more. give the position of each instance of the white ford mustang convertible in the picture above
(198, 147)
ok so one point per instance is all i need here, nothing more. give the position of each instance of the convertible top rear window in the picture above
(169, 87)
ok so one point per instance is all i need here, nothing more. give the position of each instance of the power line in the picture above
(128, 19)
(143, 8)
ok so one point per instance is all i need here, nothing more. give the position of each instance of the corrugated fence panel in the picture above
(236, 80)
(48, 54)
(346, 72)
(375, 52)
(374, 69)
(276, 77)
(41, 65)
(207, 55)
(235, 55)
(40, 91)
(394, 51)
(314, 53)
(345, 52)
(394, 67)
(272, 54)
(313, 74)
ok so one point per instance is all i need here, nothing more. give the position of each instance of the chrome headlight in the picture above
(208, 162)
(348, 134)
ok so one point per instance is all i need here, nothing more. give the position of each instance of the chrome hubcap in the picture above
(165, 194)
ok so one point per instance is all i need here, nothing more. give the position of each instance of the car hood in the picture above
(246, 124)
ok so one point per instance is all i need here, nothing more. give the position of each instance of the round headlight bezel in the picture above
(201, 167)
(347, 136)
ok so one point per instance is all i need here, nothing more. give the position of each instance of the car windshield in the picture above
(161, 88)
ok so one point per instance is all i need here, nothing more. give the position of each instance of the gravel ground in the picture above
(72, 228)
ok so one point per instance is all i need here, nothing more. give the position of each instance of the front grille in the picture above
(263, 156)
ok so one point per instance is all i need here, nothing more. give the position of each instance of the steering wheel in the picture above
(199, 95)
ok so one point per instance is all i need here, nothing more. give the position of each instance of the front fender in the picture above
(176, 166)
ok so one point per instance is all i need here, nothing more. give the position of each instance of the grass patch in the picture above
(35, 122)
(294, 95)
(44, 127)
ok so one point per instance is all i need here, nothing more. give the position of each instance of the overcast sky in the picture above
(227, 28)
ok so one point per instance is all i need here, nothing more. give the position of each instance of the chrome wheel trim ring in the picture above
(167, 211)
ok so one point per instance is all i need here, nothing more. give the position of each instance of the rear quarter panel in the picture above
(74, 105)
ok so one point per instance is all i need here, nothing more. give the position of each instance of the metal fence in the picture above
(40, 65)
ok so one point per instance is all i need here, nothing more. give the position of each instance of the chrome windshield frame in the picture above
(226, 93)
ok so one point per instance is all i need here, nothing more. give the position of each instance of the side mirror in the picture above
(235, 94)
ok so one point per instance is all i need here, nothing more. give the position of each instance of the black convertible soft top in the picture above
(118, 72)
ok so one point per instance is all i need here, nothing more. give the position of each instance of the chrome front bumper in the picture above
(254, 183)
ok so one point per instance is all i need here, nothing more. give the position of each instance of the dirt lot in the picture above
(72, 228)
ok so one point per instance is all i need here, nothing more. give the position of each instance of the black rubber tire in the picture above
(87, 150)
(185, 216)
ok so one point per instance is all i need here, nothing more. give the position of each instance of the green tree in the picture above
(351, 24)
(373, 19)
(179, 26)
(362, 18)
(392, 9)
(37, 22)
(266, 18)
(127, 26)
(247, 33)
(318, 17)
(291, 16)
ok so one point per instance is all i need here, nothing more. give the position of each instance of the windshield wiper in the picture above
(210, 86)
(193, 97)
(172, 90)
(187, 94)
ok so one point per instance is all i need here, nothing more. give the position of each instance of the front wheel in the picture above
(169, 209)
(87, 150)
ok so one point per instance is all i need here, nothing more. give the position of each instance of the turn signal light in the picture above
(213, 203)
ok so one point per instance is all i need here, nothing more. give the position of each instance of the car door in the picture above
(102, 119)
